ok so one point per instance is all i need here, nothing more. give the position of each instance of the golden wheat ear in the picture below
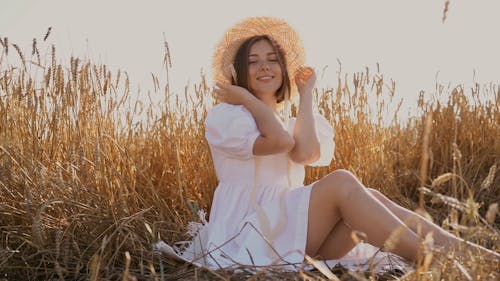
(233, 73)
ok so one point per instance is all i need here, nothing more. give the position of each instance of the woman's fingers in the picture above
(222, 85)
(230, 93)
(222, 89)
(219, 93)
(307, 72)
(303, 74)
(305, 78)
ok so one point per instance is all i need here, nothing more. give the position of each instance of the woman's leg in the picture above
(339, 242)
(342, 232)
(413, 220)
(331, 249)
(340, 196)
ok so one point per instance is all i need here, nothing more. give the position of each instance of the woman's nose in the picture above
(264, 65)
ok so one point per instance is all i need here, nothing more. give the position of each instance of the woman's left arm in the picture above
(307, 147)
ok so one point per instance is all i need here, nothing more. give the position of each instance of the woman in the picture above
(261, 214)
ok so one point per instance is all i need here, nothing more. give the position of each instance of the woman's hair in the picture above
(241, 65)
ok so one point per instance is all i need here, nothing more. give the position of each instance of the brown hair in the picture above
(241, 65)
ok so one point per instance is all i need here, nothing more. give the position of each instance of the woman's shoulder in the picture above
(229, 122)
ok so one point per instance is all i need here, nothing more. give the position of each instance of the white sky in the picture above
(407, 38)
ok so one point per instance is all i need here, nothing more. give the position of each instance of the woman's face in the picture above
(264, 70)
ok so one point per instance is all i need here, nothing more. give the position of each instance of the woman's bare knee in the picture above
(341, 174)
(343, 182)
(334, 188)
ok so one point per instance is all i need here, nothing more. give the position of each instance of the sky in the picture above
(407, 38)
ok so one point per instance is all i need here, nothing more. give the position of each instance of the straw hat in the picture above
(277, 29)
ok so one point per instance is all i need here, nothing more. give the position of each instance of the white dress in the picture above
(231, 132)
(259, 211)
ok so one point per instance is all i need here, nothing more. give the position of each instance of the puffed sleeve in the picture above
(325, 134)
(231, 130)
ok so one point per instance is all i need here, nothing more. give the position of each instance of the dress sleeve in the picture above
(231, 130)
(325, 134)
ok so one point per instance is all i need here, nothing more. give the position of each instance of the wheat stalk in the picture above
(445, 10)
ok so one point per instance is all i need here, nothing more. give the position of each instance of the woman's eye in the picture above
(269, 60)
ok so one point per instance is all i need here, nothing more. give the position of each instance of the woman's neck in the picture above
(270, 101)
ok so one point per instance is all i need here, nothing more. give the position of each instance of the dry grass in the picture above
(84, 167)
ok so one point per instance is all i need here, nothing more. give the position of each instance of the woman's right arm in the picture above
(274, 138)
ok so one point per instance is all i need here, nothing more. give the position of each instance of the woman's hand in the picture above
(231, 94)
(305, 78)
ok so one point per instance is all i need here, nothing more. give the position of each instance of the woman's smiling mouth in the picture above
(265, 78)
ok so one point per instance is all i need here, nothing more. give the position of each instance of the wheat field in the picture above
(91, 175)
